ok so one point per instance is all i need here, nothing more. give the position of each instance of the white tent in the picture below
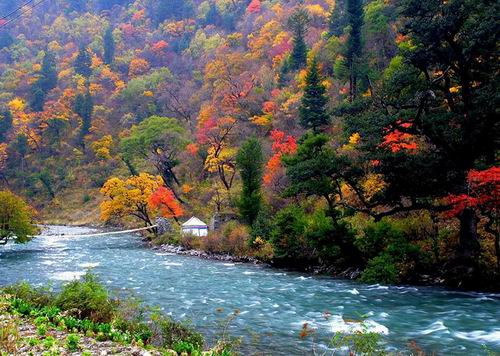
(195, 226)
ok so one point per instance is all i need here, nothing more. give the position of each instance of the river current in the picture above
(272, 305)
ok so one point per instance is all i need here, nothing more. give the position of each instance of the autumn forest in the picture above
(354, 138)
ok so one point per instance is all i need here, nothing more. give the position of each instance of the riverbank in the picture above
(82, 318)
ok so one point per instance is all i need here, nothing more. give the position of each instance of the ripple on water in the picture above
(480, 336)
(435, 327)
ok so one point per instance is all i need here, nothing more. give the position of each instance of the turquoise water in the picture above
(273, 305)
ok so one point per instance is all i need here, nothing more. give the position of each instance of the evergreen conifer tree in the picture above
(250, 163)
(354, 43)
(312, 110)
(109, 46)
(84, 107)
(83, 62)
(337, 20)
(298, 23)
(5, 125)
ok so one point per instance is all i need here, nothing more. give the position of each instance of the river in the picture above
(273, 305)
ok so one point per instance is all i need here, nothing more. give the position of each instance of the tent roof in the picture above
(194, 222)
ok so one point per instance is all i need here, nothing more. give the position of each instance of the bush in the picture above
(168, 333)
(380, 269)
(34, 296)
(73, 342)
(235, 239)
(89, 298)
(332, 238)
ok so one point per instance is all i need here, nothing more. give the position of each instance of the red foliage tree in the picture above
(484, 198)
(254, 7)
(282, 144)
(164, 200)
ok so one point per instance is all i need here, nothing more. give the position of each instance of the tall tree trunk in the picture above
(469, 246)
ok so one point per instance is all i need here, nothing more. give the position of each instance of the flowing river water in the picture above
(273, 305)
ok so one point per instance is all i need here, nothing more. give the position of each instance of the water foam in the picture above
(480, 336)
(339, 325)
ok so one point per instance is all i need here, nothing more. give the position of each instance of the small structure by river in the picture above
(195, 226)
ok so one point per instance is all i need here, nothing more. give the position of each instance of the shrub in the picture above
(186, 347)
(88, 297)
(168, 333)
(73, 342)
(34, 296)
(235, 239)
(191, 242)
(332, 238)
(380, 269)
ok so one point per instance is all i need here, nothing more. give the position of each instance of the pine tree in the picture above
(337, 20)
(312, 111)
(48, 80)
(5, 125)
(298, 23)
(354, 43)
(250, 163)
(84, 107)
(109, 46)
(83, 62)
(37, 100)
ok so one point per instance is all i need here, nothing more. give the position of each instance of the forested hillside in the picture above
(345, 134)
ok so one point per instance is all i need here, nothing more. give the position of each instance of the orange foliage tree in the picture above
(282, 144)
(163, 199)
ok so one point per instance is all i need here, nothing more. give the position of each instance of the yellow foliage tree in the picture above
(129, 197)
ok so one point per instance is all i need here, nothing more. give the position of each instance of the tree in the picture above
(48, 73)
(312, 111)
(434, 118)
(250, 163)
(482, 198)
(83, 62)
(84, 107)
(160, 140)
(298, 24)
(5, 125)
(315, 169)
(354, 43)
(16, 219)
(109, 46)
(163, 199)
(129, 197)
(338, 19)
(46, 81)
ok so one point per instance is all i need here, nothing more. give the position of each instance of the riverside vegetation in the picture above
(84, 318)
(345, 134)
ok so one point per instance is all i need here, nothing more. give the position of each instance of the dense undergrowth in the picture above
(85, 308)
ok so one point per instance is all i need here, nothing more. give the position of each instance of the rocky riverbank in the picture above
(179, 250)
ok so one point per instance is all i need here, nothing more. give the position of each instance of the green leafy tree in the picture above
(109, 46)
(312, 110)
(83, 62)
(158, 140)
(298, 23)
(250, 163)
(315, 170)
(16, 219)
